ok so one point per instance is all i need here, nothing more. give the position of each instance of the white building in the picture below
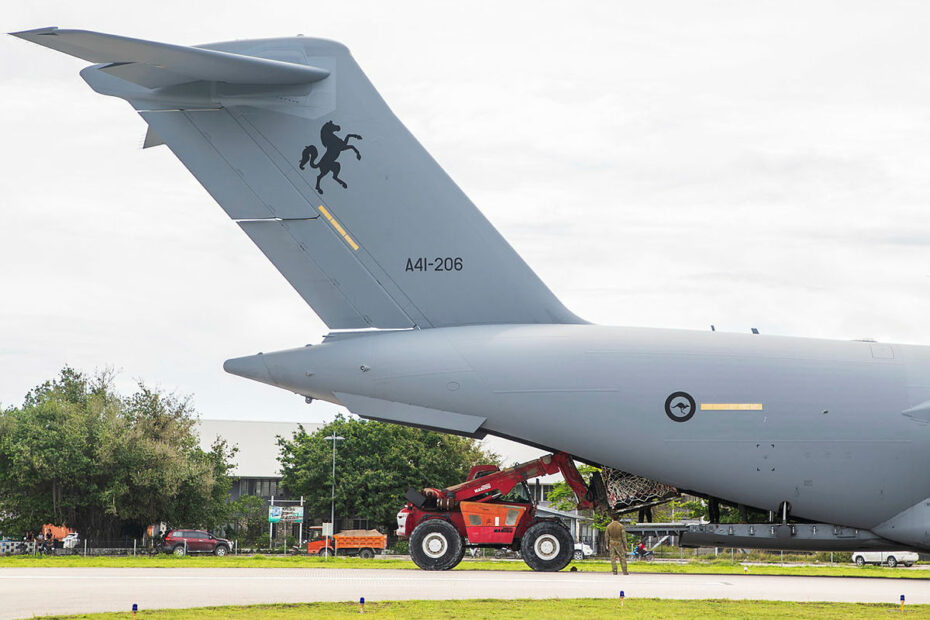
(256, 462)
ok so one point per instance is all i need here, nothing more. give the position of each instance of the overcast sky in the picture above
(668, 164)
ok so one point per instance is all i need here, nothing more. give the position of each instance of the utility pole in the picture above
(332, 505)
(300, 527)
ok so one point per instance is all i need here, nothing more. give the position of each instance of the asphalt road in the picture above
(25, 592)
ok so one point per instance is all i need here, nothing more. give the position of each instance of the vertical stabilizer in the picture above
(296, 145)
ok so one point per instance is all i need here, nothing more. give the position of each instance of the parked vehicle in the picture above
(182, 542)
(582, 551)
(71, 541)
(891, 558)
(59, 532)
(363, 543)
(505, 553)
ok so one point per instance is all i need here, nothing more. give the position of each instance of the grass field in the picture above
(537, 609)
(712, 567)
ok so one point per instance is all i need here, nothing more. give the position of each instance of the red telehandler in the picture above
(492, 508)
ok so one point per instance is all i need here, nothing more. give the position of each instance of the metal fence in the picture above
(10, 547)
(120, 546)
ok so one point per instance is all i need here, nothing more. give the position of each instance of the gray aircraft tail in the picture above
(296, 145)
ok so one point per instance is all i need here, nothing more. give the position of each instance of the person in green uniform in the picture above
(616, 544)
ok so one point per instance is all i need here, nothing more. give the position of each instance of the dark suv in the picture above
(181, 542)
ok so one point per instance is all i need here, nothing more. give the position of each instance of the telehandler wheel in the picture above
(436, 545)
(547, 546)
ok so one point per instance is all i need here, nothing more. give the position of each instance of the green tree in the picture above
(690, 507)
(561, 497)
(375, 465)
(78, 453)
(248, 516)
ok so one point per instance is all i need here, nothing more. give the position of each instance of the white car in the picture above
(70, 541)
(582, 551)
(891, 558)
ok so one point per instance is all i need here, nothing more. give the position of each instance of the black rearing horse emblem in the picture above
(334, 145)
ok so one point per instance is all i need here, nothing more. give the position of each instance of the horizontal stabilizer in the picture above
(155, 65)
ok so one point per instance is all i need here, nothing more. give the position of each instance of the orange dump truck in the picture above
(363, 543)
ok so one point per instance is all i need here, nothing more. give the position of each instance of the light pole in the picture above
(332, 506)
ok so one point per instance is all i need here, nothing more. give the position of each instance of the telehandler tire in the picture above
(436, 545)
(547, 546)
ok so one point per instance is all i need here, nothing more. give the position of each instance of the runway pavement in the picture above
(25, 592)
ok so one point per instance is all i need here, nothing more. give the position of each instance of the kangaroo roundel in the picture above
(333, 145)
(680, 406)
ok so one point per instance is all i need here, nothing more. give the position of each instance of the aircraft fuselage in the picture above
(837, 429)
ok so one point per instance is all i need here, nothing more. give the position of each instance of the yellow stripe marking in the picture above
(731, 406)
(339, 228)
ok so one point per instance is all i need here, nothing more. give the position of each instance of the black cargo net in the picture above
(627, 491)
